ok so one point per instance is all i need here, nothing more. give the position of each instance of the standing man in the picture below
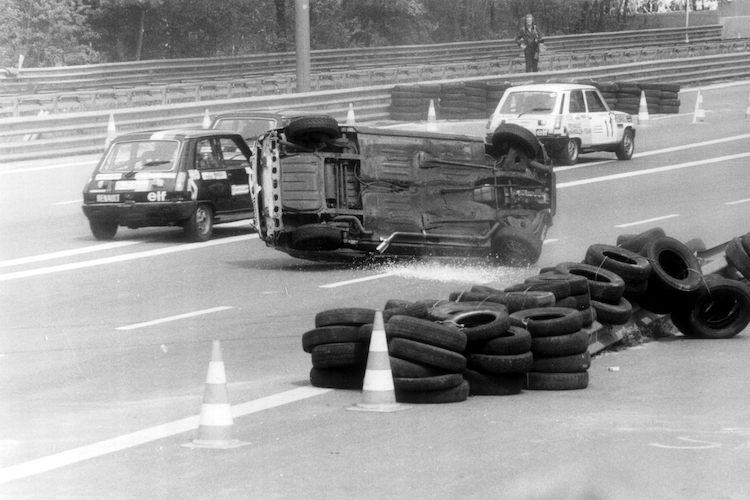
(529, 39)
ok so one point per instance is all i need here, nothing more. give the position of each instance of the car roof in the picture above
(551, 87)
(173, 134)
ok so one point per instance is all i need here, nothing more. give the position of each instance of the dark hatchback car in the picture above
(325, 191)
(192, 178)
(252, 123)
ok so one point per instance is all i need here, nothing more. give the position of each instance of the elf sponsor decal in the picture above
(156, 196)
(240, 189)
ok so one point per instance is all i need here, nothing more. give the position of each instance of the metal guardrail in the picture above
(85, 133)
(162, 72)
(244, 88)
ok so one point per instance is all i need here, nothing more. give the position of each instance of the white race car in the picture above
(568, 119)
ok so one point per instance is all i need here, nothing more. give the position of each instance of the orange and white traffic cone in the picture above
(378, 392)
(215, 427)
(206, 120)
(350, 115)
(700, 114)
(431, 117)
(111, 131)
(643, 110)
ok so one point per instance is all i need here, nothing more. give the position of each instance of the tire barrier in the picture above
(539, 334)
(478, 100)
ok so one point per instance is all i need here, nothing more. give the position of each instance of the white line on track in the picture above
(120, 443)
(358, 280)
(126, 257)
(66, 202)
(67, 253)
(648, 171)
(659, 151)
(737, 202)
(174, 318)
(646, 221)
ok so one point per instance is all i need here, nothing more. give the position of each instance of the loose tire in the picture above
(200, 224)
(721, 311)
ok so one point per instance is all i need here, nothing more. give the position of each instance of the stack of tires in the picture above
(339, 347)
(476, 101)
(609, 92)
(453, 101)
(628, 97)
(662, 98)
(606, 290)
(412, 102)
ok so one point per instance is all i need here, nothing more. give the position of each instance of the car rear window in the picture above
(154, 156)
(535, 102)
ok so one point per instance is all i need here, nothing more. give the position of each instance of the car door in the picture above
(224, 179)
(602, 130)
(578, 122)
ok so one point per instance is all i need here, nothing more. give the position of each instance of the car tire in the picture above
(516, 247)
(561, 345)
(579, 285)
(481, 325)
(626, 147)
(604, 285)
(317, 238)
(562, 364)
(613, 314)
(508, 134)
(737, 256)
(501, 364)
(332, 334)
(103, 230)
(434, 383)
(721, 310)
(418, 352)
(548, 321)
(338, 378)
(516, 340)
(485, 384)
(410, 369)
(569, 153)
(559, 288)
(537, 381)
(339, 355)
(440, 396)
(199, 226)
(312, 128)
(351, 316)
(630, 266)
(445, 336)
(636, 242)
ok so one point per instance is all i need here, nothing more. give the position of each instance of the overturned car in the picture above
(325, 191)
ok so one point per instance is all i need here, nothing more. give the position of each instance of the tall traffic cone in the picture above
(215, 427)
(431, 118)
(111, 131)
(378, 392)
(206, 120)
(643, 110)
(350, 115)
(700, 115)
(747, 110)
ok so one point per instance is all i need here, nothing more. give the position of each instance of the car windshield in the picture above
(149, 155)
(529, 102)
(248, 128)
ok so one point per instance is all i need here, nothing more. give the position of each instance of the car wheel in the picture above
(569, 154)
(516, 247)
(312, 128)
(508, 135)
(200, 225)
(316, 237)
(103, 230)
(626, 147)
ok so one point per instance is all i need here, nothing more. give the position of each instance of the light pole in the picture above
(302, 42)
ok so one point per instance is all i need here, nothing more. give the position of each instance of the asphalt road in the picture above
(104, 349)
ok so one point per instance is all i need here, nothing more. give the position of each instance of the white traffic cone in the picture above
(700, 115)
(378, 392)
(431, 118)
(350, 115)
(111, 131)
(206, 120)
(215, 427)
(747, 110)
(643, 110)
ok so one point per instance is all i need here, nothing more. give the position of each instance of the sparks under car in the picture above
(325, 191)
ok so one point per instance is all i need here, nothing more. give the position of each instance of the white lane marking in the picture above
(174, 318)
(67, 202)
(67, 253)
(659, 151)
(646, 221)
(737, 202)
(123, 258)
(551, 240)
(704, 446)
(648, 171)
(120, 443)
(48, 167)
(358, 280)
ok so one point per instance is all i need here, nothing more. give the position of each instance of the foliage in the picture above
(46, 33)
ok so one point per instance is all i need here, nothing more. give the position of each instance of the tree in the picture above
(46, 33)
(127, 15)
